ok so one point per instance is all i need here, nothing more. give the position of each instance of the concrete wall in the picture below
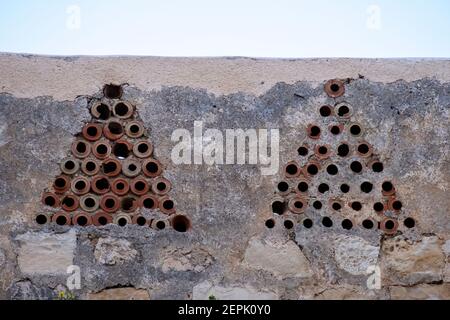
(402, 107)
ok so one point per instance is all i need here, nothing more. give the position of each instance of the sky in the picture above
(254, 28)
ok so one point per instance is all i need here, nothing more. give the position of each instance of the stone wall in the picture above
(232, 251)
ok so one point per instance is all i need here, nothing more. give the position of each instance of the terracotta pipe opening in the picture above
(128, 204)
(278, 207)
(101, 150)
(151, 168)
(332, 170)
(334, 88)
(297, 205)
(343, 111)
(140, 221)
(368, 224)
(82, 220)
(343, 150)
(336, 206)
(356, 205)
(302, 151)
(364, 149)
(61, 184)
(323, 188)
(397, 205)
(70, 166)
(283, 187)
(345, 188)
(327, 222)
(100, 185)
(111, 167)
(112, 91)
(377, 166)
(322, 152)
(291, 170)
(148, 202)
(387, 188)
(366, 187)
(89, 203)
(355, 130)
(101, 219)
(161, 186)
(270, 223)
(70, 203)
(81, 149)
(356, 166)
(325, 111)
(122, 222)
(302, 187)
(312, 169)
(167, 206)
(41, 219)
(122, 149)
(308, 223)
(90, 167)
(378, 207)
(92, 131)
(389, 226)
(110, 203)
(123, 110)
(120, 186)
(80, 185)
(134, 129)
(180, 223)
(347, 224)
(61, 219)
(313, 131)
(50, 199)
(336, 129)
(131, 168)
(409, 223)
(113, 130)
(101, 111)
(143, 149)
(139, 186)
(160, 225)
(317, 205)
(288, 224)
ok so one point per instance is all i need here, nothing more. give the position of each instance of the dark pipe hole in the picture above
(102, 149)
(288, 224)
(366, 187)
(332, 170)
(323, 187)
(278, 207)
(102, 184)
(302, 151)
(355, 130)
(409, 223)
(121, 109)
(307, 223)
(143, 148)
(115, 128)
(91, 166)
(327, 222)
(345, 188)
(69, 165)
(120, 186)
(315, 131)
(335, 130)
(110, 203)
(302, 186)
(89, 202)
(61, 220)
(92, 131)
(347, 224)
(325, 111)
(387, 186)
(298, 204)
(378, 207)
(283, 186)
(270, 223)
(356, 166)
(343, 150)
(367, 224)
(168, 204)
(82, 221)
(134, 128)
(127, 204)
(109, 167)
(41, 219)
(335, 87)
(68, 202)
(132, 167)
(397, 205)
(81, 147)
(149, 203)
(161, 186)
(343, 111)
(141, 221)
(160, 225)
(336, 206)
(80, 185)
(323, 150)
(60, 183)
(317, 205)
(102, 221)
(50, 201)
(104, 112)
(122, 222)
(112, 91)
(357, 206)
(312, 169)
(389, 225)
(292, 169)
(139, 186)
(363, 148)
(181, 224)
(121, 150)
(377, 167)
(152, 167)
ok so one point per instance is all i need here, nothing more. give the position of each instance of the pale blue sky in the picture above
(277, 28)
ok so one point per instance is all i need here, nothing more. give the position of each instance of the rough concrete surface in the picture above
(403, 107)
